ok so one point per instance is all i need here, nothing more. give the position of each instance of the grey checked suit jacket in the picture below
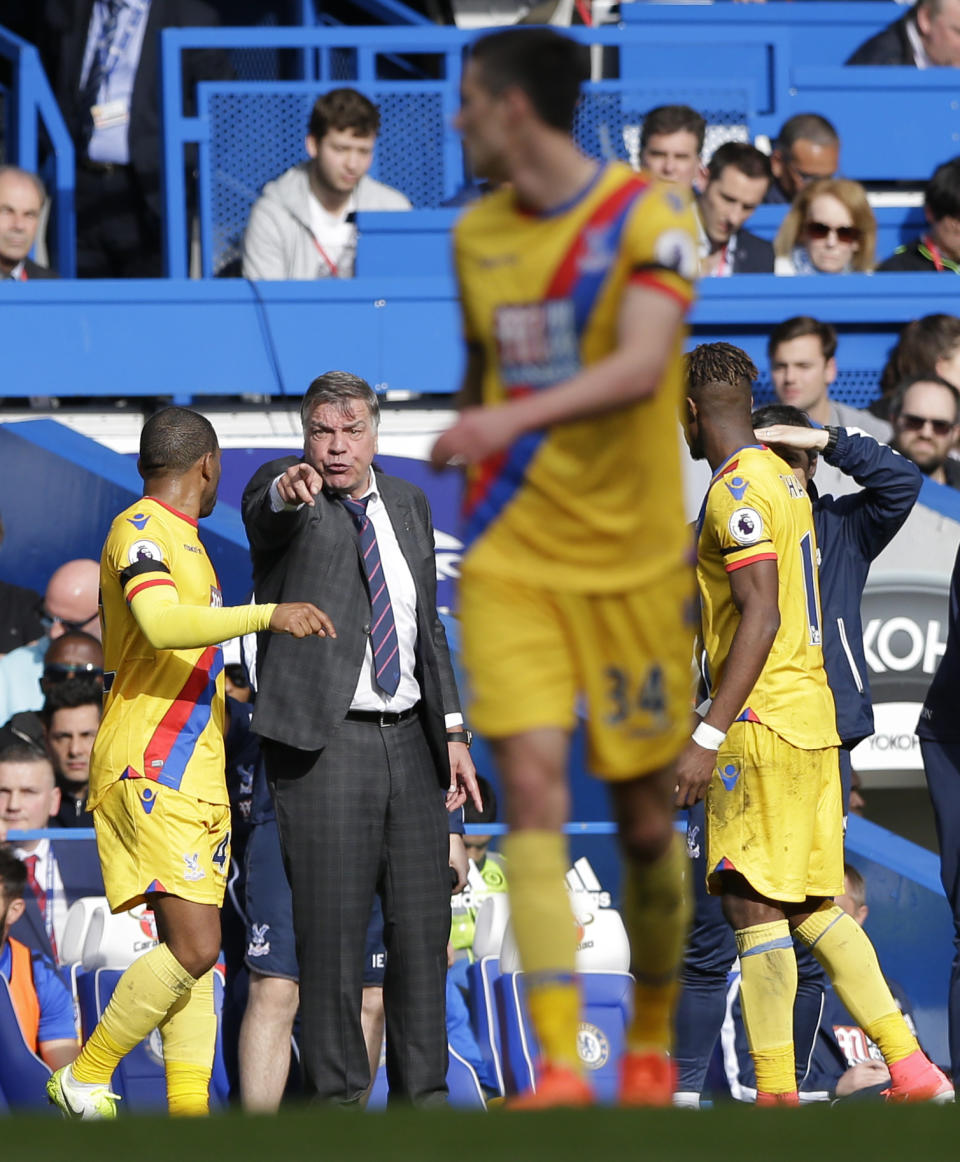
(305, 687)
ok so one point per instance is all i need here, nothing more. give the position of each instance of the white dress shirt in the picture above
(47, 872)
(403, 599)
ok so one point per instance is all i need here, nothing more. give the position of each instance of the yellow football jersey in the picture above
(756, 510)
(595, 505)
(163, 714)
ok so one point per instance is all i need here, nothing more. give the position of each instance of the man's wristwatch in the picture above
(833, 434)
(465, 736)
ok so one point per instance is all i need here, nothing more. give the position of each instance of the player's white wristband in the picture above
(708, 736)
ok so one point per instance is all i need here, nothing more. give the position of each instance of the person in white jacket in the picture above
(302, 225)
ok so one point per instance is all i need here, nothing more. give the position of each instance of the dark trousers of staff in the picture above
(362, 816)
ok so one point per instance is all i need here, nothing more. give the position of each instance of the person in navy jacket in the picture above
(851, 532)
(939, 734)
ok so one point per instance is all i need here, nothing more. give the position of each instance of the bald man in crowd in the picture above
(70, 603)
(22, 198)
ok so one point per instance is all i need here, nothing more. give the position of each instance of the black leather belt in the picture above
(101, 167)
(382, 717)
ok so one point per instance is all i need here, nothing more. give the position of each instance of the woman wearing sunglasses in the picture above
(829, 229)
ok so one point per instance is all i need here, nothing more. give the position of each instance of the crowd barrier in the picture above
(394, 244)
(193, 340)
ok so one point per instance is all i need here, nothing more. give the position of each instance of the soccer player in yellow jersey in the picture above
(157, 785)
(765, 752)
(575, 279)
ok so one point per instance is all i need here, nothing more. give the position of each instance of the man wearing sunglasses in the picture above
(807, 149)
(69, 604)
(925, 427)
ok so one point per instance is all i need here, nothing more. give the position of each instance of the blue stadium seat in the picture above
(606, 1010)
(466, 1092)
(139, 1078)
(22, 1074)
(482, 976)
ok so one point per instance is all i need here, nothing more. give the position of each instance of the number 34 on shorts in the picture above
(640, 705)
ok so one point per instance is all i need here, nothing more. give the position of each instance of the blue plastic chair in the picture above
(482, 976)
(23, 1076)
(466, 1092)
(606, 1002)
(139, 1078)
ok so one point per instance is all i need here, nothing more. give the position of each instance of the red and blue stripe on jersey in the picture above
(172, 744)
(500, 478)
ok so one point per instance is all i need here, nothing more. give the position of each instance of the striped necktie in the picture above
(40, 896)
(98, 71)
(383, 630)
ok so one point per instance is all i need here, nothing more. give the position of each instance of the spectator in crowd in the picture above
(803, 367)
(829, 229)
(938, 249)
(236, 682)
(41, 1001)
(303, 224)
(69, 603)
(22, 198)
(71, 715)
(20, 623)
(737, 179)
(926, 36)
(379, 710)
(103, 61)
(671, 141)
(57, 872)
(807, 149)
(72, 655)
(928, 344)
(925, 412)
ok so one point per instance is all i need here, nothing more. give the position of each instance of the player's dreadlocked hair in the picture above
(718, 363)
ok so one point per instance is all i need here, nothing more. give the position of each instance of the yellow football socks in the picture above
(144, 995)
(189, 1033)
(656, 908)
(544, 928)
(768, 989)
(845, 951)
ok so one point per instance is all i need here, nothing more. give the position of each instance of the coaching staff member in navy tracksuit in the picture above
(939, 734)
(851, 532)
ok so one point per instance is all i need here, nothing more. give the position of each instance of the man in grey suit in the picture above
(358, 741)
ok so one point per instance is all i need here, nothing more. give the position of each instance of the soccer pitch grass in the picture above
(737, 1133)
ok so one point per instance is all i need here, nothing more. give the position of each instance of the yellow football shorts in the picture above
(536, 657)
(151, 838)
(774, 814)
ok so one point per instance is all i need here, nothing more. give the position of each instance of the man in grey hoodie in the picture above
(302, 225)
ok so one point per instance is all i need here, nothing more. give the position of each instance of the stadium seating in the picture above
(600, 1043)
(22, 1074)
(77, 926)
(465, 1090)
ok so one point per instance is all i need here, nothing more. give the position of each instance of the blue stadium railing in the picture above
(229, 337)
(28, 104)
